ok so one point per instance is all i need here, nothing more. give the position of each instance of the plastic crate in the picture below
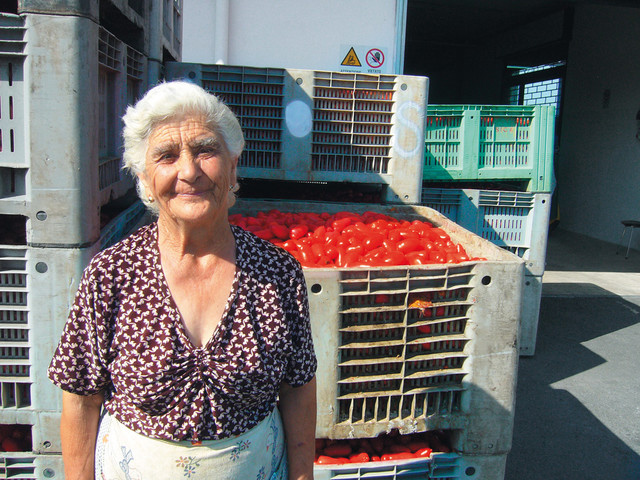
(115, 230)
(30, 467)
(441, 466)
(516, 221)
(319, 126)
(37, 288)
(377, 372)
(531, 298)
(484, 142)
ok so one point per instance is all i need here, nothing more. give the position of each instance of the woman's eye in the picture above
(207, 151)
(166, 157)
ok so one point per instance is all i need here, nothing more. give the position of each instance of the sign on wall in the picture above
(363, 59)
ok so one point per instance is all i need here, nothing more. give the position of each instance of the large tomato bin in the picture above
(415, 348)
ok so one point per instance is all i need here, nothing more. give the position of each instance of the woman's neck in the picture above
(180, 240)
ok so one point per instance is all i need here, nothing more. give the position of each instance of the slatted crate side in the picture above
(516, 221)
(441, 466)
(15, 366)
(13, 148)
(30, 467)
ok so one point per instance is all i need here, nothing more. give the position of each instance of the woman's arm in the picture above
(298, 410)
(78, 432)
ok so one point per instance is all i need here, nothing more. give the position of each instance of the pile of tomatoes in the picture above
(347, 239)
(386, 447)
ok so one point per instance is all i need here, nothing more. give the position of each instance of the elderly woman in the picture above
(188, 351)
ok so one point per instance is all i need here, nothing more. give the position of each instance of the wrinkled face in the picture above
(188, 171)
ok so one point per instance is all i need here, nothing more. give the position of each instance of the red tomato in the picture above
(418, 258)
(396, 456)
(328, 460)
(399, 449)
(265, 233)
(394, 258)
(362, 457)
(279, 231)
(298, 231)
(423, 452)
(410, 244)
(338, 450)
(424, 328)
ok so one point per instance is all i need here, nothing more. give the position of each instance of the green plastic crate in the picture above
(490, 143)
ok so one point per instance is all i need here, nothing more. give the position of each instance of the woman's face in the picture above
(188, 171)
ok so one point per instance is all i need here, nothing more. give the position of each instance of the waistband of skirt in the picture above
(214, 444)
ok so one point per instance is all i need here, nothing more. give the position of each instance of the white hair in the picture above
(166, 102)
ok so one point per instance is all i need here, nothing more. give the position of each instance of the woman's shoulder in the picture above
(135, 247)
(260, 251)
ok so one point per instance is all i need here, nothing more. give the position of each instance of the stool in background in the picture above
(628, 224)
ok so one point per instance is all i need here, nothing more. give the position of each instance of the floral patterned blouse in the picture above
(125, 336)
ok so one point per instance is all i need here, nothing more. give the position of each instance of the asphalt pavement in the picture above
(578, 397)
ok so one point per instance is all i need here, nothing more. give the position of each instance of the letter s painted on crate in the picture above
(403, 146)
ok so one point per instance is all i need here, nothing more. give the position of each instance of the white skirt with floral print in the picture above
(122, 454)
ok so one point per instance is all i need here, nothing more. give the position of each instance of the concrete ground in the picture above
(578, 397)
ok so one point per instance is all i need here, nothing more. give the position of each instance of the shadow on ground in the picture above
(578, 408)
(567, 251)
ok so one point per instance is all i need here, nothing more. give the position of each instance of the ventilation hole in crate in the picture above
(369, 353)
(14, 353)
(382, 408)
(15, 394)
(420, 404)
(394, 406)
(14, 334)
(15, 438)
(372, 336)
(13, 231)
(14, 316)
(369, 409)
(406, 409)
(13, 279)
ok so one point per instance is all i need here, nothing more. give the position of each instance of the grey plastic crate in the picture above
(64, 83)
(377, 372)
(531, 297)
(37, 288)
(516, 221)
(441, 466)
(319, 126)
(27, 466)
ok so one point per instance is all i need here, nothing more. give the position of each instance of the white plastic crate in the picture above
(60, 123)
(531, 297)
(25, 466)
(377, 372)
(516, 221)
(37, 288)
(319, 126)
(441, 466)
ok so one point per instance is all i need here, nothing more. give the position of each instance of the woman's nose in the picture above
(188, 167)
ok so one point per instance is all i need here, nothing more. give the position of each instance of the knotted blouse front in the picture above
(125, 336)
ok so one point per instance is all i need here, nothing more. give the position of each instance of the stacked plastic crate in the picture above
(64, 81)
(496, 145)
(378, 370)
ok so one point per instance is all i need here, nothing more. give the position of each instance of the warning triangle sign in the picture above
(351, 59)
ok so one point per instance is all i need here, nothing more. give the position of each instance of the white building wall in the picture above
(599, 158)
(305, 34)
